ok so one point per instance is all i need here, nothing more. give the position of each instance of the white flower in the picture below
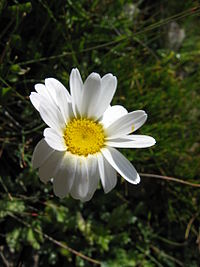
(78, 148)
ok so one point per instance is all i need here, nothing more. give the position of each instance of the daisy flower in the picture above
(84, 130)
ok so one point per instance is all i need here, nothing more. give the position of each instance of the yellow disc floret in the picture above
(84, 137)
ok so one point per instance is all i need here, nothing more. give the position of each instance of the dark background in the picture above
(153, 47)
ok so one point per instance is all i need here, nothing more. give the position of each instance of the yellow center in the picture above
(84, 137)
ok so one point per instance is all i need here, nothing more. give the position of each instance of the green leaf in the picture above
(32, 239)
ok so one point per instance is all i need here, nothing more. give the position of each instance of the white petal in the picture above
(42, 90)
(108, 175)
(64, 177)
(70, 110)
(80, 186)
(121, 165)
(42, 93)
(35, 100)
(132, 141)
(41, 153)
(112, 114)
(139, 122)
(91, 91)
(108, 88)
(76, 87)
(93, 177)
(126, 124)
(54, 87)
(50, 166)
(54, 140)
(62, 96)
(51, 115)
(63, 104)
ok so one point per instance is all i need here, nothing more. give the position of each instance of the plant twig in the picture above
(6, 189)
(187, 232)
(148, 255)
(164, 254)
(56, 242)
(191, 11)
(4, 259)
(171, 242)
(168, 178)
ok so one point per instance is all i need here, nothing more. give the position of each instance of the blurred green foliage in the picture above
(153, 224)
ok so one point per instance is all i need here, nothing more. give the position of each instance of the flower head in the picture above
(78, 148)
